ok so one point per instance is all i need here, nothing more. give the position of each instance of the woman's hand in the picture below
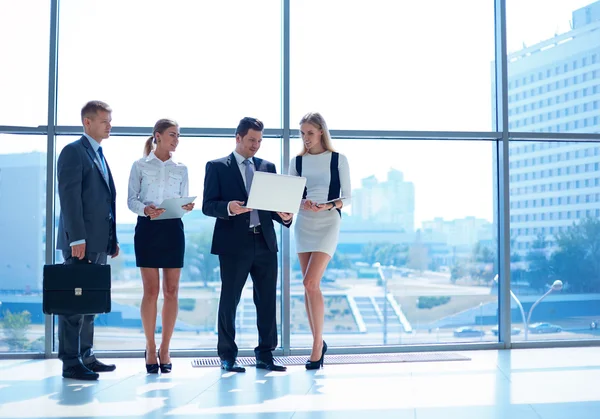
(188, 207)
(307, 205)
(153, 212)
(324, 207)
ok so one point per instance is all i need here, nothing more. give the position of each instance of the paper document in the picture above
(172, 207)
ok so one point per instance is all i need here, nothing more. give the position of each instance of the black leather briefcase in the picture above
(77, 288)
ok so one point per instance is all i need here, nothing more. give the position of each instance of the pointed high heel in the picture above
(150, 368)
(164, 368)
(315, 365)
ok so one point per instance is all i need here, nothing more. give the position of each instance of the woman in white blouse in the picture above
(317, 226)
(158, 243)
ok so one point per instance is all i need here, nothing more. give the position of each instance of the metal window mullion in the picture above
(503, 175)
(50, 159)
(20, 130)
(285, 114)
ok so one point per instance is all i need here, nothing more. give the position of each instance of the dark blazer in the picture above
(223, 183)
(86, 200)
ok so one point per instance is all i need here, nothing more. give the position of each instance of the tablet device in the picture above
(173, 208)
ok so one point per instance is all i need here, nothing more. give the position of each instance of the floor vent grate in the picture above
(346, 359)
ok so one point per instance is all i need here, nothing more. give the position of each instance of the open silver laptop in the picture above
(274, 192)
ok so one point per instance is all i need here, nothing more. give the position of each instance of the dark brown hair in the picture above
(248, 123)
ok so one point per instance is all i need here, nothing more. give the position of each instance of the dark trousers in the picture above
(76, 332)
(261, 264)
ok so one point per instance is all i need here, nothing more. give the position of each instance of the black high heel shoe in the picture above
(150, 368)
(315, 365)
(164, 368)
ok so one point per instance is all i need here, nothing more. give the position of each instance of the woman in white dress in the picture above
(317, 226)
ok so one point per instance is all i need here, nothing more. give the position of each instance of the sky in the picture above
(382, 64)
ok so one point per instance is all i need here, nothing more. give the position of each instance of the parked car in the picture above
(467, 332)
(513, 330)
(544, 328)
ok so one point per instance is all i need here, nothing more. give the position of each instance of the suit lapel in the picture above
(257, 168)
(92, 154)
(257, 164)
(235, 169)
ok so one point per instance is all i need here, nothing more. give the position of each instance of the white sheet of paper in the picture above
(274, 192)
(173, 207)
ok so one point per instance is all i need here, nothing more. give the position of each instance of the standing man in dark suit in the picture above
(246, 243)
(86, 230)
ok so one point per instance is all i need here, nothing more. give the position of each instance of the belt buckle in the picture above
(254, 230)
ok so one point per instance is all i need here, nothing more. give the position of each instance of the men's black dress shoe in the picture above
(232, 366)
(270, 365)
(98, 366)
(79, 372)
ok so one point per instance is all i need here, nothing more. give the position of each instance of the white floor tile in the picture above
(520, 384)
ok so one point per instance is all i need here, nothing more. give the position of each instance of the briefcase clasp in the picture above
(78, 292)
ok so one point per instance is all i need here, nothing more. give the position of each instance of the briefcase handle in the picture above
(77, 260)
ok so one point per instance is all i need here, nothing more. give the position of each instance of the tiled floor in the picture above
(518, 384)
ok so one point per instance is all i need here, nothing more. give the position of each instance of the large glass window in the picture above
(23, 223)
(552, 44)
(392, 65)
(201, 63)
(417, 253)
(24, 70)
(554, 242)
(424, 212)
(200, 284)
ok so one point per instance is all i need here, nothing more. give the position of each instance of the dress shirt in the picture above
(240, 164)
(152, 181)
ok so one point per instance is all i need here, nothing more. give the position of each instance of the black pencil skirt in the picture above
(159, 244)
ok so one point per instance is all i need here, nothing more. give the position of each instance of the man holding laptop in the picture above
(245, 241)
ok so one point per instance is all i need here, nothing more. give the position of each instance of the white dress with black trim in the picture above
(319, 231)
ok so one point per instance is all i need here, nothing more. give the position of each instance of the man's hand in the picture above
(235, 208)
(285, 216)
(153, 212)
(78, 251)
(114, 255)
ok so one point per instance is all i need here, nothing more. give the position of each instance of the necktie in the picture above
(103, 164)
(104, 172)
(254, 221)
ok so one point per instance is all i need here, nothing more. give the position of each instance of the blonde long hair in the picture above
(317, 120)
(161, 126)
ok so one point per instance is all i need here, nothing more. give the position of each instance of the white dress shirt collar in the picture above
(95, 144)
(240, 159)
(152, 156)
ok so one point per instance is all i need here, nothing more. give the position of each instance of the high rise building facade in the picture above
(554, 86)
(22, 221)
(371, 201)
